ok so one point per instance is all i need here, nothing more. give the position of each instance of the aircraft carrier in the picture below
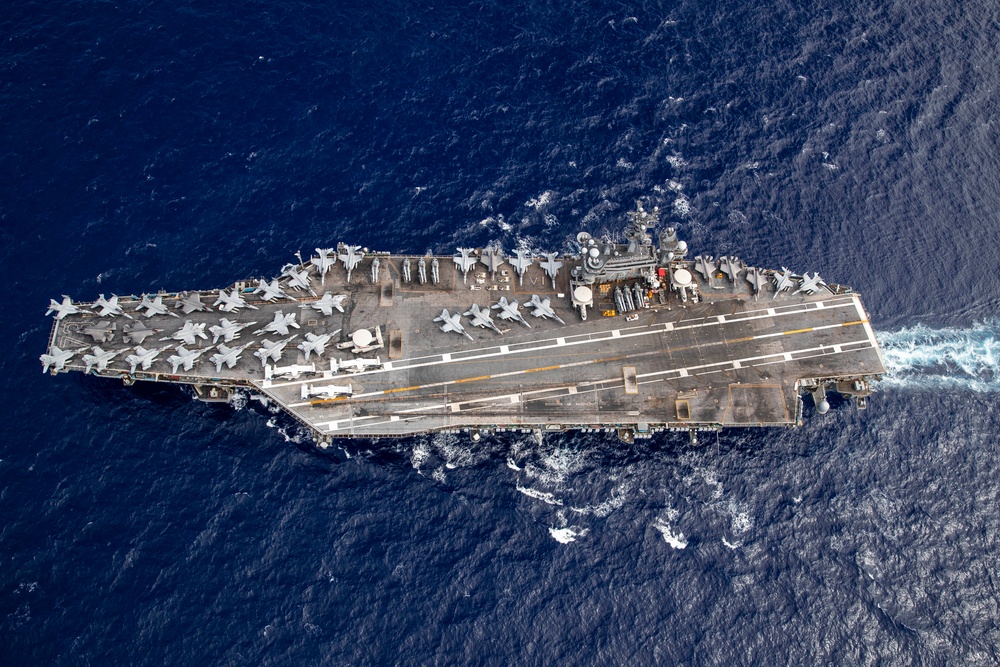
(624, 336)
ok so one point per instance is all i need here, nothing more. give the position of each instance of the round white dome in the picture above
(362, 337)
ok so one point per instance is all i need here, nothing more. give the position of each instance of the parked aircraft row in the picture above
(183, 357)
(493, 259)
(228, 301)
(733, 266)
(326, 258)
(785, 280)
(507, 310)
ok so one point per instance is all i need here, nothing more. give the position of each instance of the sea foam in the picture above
(922, 357)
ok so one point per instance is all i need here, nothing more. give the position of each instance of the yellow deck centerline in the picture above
(475, 379)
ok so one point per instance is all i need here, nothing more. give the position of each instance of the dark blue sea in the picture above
(149, 145)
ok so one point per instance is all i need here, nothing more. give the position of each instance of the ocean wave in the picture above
(568, 534)
(544, 496)
(670, 536)
(922, 357)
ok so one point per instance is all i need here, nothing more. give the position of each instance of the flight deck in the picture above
(629, 338)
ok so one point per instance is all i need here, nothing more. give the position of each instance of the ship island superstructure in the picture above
(628, 337)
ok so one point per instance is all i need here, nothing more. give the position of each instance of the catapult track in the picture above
(691, 351)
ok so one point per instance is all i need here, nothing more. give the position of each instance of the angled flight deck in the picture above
(626, 337)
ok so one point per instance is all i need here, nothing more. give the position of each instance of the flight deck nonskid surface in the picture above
(729, 359)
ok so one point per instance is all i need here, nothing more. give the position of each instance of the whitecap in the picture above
(544, 496)
(568, 534)
(674, 539)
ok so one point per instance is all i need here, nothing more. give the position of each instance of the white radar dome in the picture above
(362, 337)
(682, 277)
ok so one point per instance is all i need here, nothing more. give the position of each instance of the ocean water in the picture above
(173, 145)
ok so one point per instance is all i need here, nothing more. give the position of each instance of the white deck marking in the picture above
(594, 386)
(599, 337)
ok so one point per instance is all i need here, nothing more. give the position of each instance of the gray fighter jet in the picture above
(279, 324)
(189, 332)
(756, 279)
(270, 291)
(138, 332)
(542, 308)
(184, 357)
(227, 330)
(227, 355)
(782, 281)
(452, 323)
(705, 265)
(271, 350)
(99, 358)
(435, 271)
(297, 279)
(143, 357)
(422, 270)
(465, 262)
(314, 343)
(521, 264)
(810, 285)
(492, 259)
(407, 277)
(191, 302)
(328, 303)
(102, 332)
(67, 307)
(108, 307)
(551, 266)
(324, 260)
(731, 266)
(55, 359)
(509, 311)
(154, 306)
(351, 257)
(481, 318)
(231, 302)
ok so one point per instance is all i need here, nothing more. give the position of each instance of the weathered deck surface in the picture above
(730, 360)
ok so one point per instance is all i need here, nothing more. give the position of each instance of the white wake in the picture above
(920, 357)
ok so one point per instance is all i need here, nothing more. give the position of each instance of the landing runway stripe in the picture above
(475, 379)
(683, 372)
(548, 344)
(605, 385)
(612, 383)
